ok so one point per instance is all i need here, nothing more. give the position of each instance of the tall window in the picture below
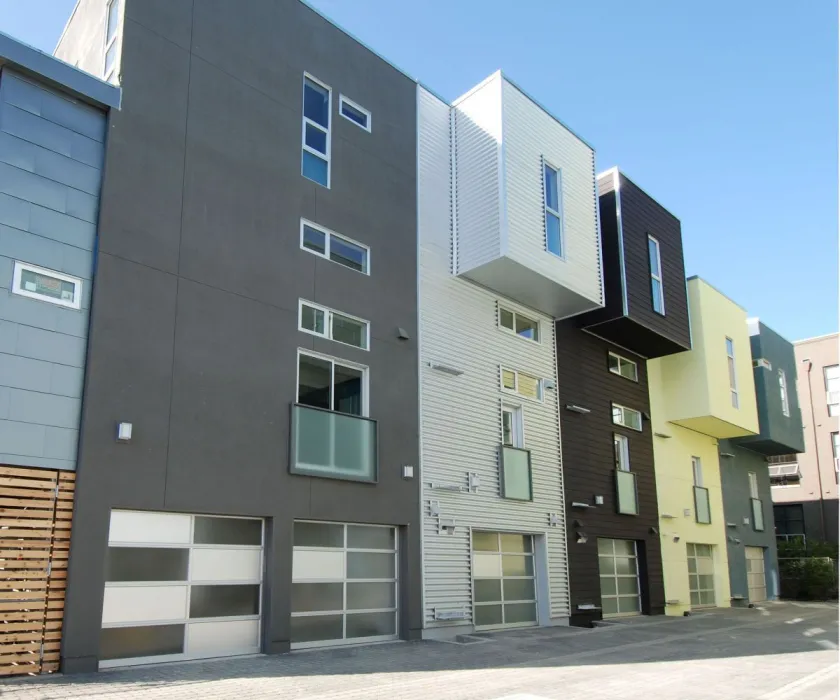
(317, 105)
(332, 384)
(553, 186)
(512, 432)
(657, 291)
(753, 484)
(783, 391)
(832, 389)
(112, 24)
(697, 468)
(835, 452)
(621, 446)
(733, 381)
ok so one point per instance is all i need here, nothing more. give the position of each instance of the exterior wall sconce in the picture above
(408, 471)
(402, 334)
(663, 435)
(446, 370)
(654, 531)
(577, 409)
(599, 500)
(124, 432)
(581, 537)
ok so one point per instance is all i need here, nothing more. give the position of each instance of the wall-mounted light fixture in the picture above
(599, 500)
(581, 537)
(654, 530)
(578, 504)
(728, 455)
(124, 432)
(402, 334)
(549, 384)
(662, 435)
(577, 409)
(408, 471)
(446, 370)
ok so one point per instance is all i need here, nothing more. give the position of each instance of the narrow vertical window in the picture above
(784, 393)
(656, 290)
(512, 434)
(553, 187)
(317, 105)
(112, 24)
(697, 469)
(753, 484)
(733, 381)
(832, 389)
(621, 446)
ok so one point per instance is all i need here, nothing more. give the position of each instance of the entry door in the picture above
(701, 574)
(756, 580)
(618, 564)
(504, 590)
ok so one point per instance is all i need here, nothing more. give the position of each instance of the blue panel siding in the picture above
(51, 154)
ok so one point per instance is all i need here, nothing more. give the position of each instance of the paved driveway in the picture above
(785, 651)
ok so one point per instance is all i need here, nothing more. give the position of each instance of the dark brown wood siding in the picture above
(583, 379)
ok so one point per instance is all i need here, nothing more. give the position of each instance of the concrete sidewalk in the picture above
(784, 651)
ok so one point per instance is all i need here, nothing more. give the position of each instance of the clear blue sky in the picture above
(725, 112)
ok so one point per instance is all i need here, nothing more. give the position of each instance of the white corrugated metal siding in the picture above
(531, 134)
(461, 422)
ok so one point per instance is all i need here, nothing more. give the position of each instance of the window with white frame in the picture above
(733, 380)
(519, 323)
(753, 477)
(524, 385)
(835, 453)
(333, 246)
(331, 384)
(783, 391)
(553, 188)
(112, 26)
(697, 470)
(354, 112)
(832, 389)
(512, 427)
(657, 290)
(623, 367)
(47, 285)
(621, 445)
(628, 417)
(317, 106)
(322, 321)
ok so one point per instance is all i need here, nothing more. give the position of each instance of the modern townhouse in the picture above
(698, 398)
(745, 479)
(805, 486)
(615, 559)
(517, 248)
(52, 141)
(249, 442)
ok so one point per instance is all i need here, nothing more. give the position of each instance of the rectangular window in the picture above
(697, 470)
(628, 417)
(621, 446)
(330, 245)
(47, 285)
(332, 384)
(623, 367)
(317, 106)
(656, 289)
(753, 484)
(832, 389)
(512, 432)
(525, 385)
(112, 24)
(733, 380)
(784, 393)
(553, 188)
(835, 453)
(319, 320)
(354, 112)
(516, 474)
(519, 324)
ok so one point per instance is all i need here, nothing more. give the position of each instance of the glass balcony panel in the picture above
(757, 514)
(701, 505)
(516, 473)
(628, 502)
(333, 445)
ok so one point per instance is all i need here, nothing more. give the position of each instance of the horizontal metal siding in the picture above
(460, 420)
(51, 150)
(477, 140)
(530, 134)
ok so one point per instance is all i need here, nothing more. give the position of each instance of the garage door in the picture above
(756, 580)
(618, 565)
(344, 584)
(503, 580)
(180, 586)
(701, 574)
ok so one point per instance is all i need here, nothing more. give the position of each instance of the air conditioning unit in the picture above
(763, 363)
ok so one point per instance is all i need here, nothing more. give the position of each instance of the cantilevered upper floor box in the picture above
(710, 388)
(526, 219)
(646, 308)
(774, 373)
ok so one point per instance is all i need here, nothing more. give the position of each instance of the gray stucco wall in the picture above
(734, 476)
(51, 152)
(194, 323)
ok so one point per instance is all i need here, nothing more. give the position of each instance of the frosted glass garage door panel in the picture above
(144, 603)
(163, 528)
(225, 565)
(486, 565)
(317, 566)
(235, 637)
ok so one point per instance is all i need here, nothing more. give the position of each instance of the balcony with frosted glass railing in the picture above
(702, 511)
(627, 497)
(757, 514)
(515, 479)
(333, 445)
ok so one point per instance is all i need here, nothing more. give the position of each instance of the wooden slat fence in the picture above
(36, 510)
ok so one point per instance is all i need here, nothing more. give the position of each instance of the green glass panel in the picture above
(609, 606)
(516, 543)
(628, 605)
(625, 565)
(488, 590)
(628, 585)
(608, 585)
(516, 467)
(488, 615)
(520, 612)
(334, 444)
(513, 565)
(519, 589)
(485, 541)
(701, 505)
(628, 503)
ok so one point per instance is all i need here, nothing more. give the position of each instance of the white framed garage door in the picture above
(180, 586)
(756, 579)
(344, 584)
(701, 574)
(618, 566)
(504, 588)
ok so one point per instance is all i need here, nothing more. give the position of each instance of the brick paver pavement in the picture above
(785, 651)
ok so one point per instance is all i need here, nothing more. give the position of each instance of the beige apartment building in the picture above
(805, 486)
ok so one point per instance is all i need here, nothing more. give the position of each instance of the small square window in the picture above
(315, 168)
(518, 323)
(47, 285)
(354, 113)
(332, 325)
